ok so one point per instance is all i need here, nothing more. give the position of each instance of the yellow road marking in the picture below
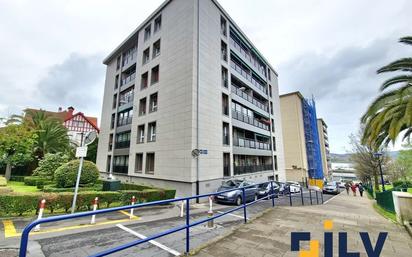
(128, 214)
(15, 234)
(9, 229)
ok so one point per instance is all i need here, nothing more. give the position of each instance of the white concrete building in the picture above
(189, 81)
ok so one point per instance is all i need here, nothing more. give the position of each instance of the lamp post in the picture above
(378, 155)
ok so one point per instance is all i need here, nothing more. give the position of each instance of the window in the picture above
(269, 71)
(138, 167)
(150, 163)
(121, 164)
(144, 80)
(140, 134)
(274, 143)
(224, 77)
(271, 108)
(225, 131)
(155, 75)
(151, 137)
(112, 121)
(157, 24)
(126, 96)
(146, 55)
(276, 162)
(125, 117)
(123, 140)
(114, 101)
(224, 51)
(156, 49)
(118, 63)
(226, 164)
(129, 55)
(153, 103)
(225, 104)
(110, 142)
(270, 91)
(223, 28)
(142, 106)
(116, 82)
(109, 162)
(147, 32)
(273, 125)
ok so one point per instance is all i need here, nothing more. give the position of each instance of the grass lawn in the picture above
(20, 187)
(389, 215)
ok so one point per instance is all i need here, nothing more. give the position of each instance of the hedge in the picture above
(66, 175)
(54, 189)
(402, 183)
(17, 178)
(133, 187)
(36, 181)
(18, 204)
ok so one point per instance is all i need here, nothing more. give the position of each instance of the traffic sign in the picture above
(81, 151)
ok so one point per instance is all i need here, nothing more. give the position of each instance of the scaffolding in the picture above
(313, 152)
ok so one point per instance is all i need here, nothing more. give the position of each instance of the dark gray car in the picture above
(265, 189)
(236, 196)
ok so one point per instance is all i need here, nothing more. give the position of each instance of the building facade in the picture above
(324, 148)
(303, 160)
(189, 102)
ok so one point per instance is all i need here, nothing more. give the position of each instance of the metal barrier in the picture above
(187, 226)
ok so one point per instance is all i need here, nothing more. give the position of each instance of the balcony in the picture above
(122, 144)
(124, 121)
(128, 79)
(250, 143)
(249, 98)
(249, 120)
(240, 170)
(120, 169)
(250, 60)
(247, 76)
(129, 59)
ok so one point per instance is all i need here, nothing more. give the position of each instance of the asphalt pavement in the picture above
(78, 238)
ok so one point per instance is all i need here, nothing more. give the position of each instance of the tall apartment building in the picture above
(188, 102)
(303, 161)
(324, 148)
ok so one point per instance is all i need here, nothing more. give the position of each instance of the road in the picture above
(74, 239)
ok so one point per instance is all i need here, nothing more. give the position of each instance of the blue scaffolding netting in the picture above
(315, 169)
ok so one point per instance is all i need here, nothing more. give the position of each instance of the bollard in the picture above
(132, 210)
(310, 196)
(317, 199)
(210, 204)
(210, 222)
(96, 200)
(182, 209)
(41, 209)
(290, 197)
(301, 195)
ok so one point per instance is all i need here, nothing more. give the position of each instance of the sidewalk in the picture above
(270, 234)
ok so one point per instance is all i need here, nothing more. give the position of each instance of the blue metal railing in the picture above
(187, 226)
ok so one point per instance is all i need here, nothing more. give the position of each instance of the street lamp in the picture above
(378, 155)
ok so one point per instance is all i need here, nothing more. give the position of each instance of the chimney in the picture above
(70, 110)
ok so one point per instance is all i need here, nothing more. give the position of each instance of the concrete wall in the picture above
(293, 135)
(323, 152)
(402, 202)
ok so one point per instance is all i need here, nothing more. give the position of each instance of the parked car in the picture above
(265, 189)
(294, 187)
(236, 196)
(331, 188)
(283, 188)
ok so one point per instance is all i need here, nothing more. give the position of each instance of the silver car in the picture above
(331, 188)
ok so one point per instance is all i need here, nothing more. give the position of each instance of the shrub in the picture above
(49, 164)
(17, 178)
(54, 189)
(3, 182)
(66, 175)
(402, 183)
(34, 181)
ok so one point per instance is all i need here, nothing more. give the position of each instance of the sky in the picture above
(52, 51)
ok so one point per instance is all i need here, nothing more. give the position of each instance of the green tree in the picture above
(51, 134)
(16, 144)
(66, 175)
(404, 161)
(391, 113)
(92, 151)
(49, 164)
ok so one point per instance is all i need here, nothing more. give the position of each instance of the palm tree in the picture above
(51, 134)
(391, 113)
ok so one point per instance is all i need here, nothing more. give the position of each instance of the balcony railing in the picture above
(247, 76)
(129, 78)
(249, 98)
(120, 169)
(248, 56)
(249, 143)
(249, 120)
(124, 121)
(123, 144)
(126, 99)
(239, 170)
